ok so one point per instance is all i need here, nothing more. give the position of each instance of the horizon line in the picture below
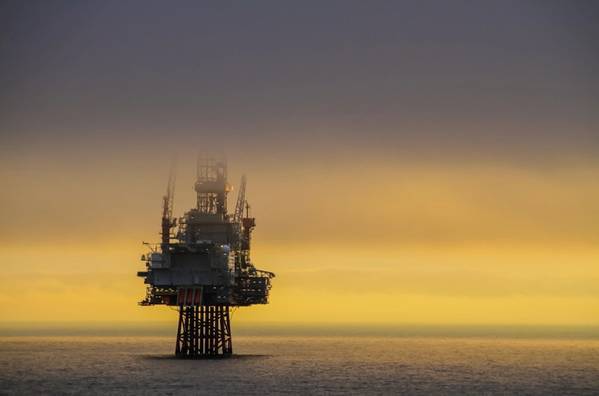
(164, 328)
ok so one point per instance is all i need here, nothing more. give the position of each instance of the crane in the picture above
(241, 203)
(167, 207)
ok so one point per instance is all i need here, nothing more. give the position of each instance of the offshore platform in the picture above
(202, 265)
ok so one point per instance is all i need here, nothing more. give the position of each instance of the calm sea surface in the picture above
(357, 365)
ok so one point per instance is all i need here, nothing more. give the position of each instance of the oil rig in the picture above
(202, 265)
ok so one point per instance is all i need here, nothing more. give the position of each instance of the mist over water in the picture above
(302, 365)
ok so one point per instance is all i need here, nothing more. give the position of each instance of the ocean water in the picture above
(301, 365)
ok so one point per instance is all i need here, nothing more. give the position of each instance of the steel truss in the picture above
(204, 331)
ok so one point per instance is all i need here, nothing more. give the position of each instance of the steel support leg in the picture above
(204, 332)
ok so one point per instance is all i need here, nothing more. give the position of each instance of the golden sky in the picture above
(386, 242)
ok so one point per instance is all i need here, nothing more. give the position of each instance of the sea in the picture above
(360, 365)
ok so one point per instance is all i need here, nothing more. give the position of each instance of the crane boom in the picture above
(167, 207)
(240, 201)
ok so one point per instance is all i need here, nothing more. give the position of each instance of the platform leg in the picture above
(203, 331)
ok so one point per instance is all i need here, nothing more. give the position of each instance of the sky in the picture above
(417, 162)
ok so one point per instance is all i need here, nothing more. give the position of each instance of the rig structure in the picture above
(202, 265)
